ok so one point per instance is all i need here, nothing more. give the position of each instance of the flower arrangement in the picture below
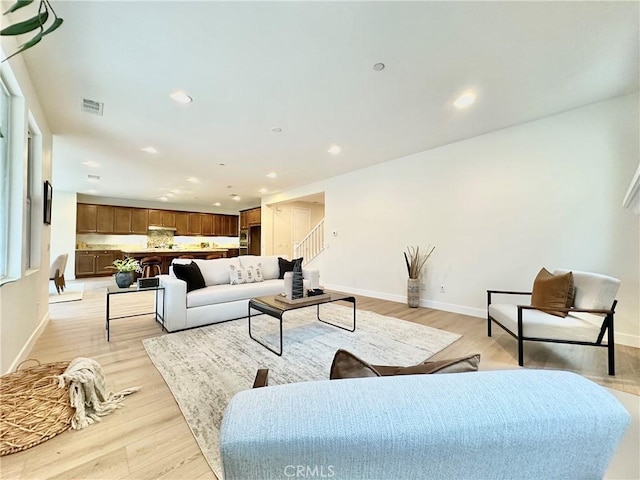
(126, 265)
(415, 260)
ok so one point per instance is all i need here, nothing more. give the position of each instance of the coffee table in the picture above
(276, 309)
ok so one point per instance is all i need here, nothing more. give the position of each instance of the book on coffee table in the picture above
(303, 300)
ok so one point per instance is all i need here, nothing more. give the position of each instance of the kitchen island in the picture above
(167, 255)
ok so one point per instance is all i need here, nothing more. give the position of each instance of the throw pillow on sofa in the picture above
(347, 365)
(552, 291)
(191, 274)
(237, 274)
(286, 265)
(255, 273)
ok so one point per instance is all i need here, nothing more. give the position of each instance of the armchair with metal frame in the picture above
(585, 324)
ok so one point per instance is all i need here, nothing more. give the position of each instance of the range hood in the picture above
(157, 227)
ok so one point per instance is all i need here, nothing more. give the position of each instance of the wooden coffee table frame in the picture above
(276, 309)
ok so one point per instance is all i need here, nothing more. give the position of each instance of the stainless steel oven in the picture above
(244, 238)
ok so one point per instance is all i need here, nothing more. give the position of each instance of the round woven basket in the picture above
(32, 406)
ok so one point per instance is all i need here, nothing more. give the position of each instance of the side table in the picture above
(115, 290)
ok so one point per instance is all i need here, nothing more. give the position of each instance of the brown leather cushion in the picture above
(347, 365)
(552, 291)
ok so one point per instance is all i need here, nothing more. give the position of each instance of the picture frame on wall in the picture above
(48, 197)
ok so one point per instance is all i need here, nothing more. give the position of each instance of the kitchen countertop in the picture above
(170, 250)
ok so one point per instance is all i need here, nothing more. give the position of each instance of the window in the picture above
(4, 179)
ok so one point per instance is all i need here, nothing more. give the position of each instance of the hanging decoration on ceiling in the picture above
(46, 17)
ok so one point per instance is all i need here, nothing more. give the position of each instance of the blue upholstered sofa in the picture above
(512, 424)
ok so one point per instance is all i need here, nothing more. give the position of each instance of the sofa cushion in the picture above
(347, 365)
(231, 293)
(237, 275)
(552, 291)
(191, 274)
(216, 272)
(538, 324)
(270, 267)
(286, 265)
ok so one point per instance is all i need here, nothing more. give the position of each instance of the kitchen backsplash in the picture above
(123, 242)
(160, 238)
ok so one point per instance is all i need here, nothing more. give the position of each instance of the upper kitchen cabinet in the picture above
(182, 223)
(254, 216)
(244, 220)
(105, 219)
(131, 220)
(162, 218)
(86, 218)
(206, 221)
(195, 224)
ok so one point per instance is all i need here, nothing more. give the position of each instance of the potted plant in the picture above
(125, 271)
(415, 261)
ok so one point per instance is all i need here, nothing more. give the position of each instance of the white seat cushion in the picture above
(230, 293)
(543, 325)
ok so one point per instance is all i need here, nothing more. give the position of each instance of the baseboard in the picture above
(621, 338)
(447, 307)
(24, 352)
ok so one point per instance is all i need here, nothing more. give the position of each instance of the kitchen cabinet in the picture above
(206, 220)
(182, 223)
(233, 252)
(244, 220)
(130, 220)
(234, 230)
(105, 219)
(195, 224)
(86, 216)
(90, 263)
(155, 218)
(162, 218)
(254, 216)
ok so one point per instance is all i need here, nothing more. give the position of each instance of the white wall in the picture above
(498, 207)
(63, 229)
(277, 225)
(24, 308)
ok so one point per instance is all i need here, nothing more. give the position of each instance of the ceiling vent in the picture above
(91, 106)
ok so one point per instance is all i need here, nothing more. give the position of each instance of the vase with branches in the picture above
(415, 261)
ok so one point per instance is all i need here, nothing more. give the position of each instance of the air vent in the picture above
(91, 106)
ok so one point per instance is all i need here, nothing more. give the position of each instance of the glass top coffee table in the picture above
(276, 308)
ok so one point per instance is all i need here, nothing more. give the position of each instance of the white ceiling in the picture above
(306, 67)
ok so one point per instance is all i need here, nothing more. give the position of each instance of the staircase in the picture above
(311, 245)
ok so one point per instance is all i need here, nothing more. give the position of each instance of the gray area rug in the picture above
(205, 367)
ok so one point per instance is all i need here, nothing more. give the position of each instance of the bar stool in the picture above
(151, 265)
(186, 256)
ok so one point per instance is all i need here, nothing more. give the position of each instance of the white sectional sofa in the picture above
(220, 301)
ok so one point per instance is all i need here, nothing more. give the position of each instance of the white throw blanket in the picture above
(88, 392)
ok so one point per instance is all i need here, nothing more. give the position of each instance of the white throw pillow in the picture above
(254, 273)
(237, 275)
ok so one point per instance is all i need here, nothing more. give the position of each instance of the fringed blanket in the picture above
(88, 392)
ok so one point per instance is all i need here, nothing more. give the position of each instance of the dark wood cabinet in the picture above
(218, 225)
(206, 220)
(234, 230)
(168, 219)
(91, 263)
(86, 217)
(244, 220)
(122, 220)
(105, 219)
(139, 221)
(233, 252)
(254, 216)
(182, 223)
(195, 224)
(155, 218)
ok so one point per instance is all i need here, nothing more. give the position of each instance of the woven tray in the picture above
(32, 407)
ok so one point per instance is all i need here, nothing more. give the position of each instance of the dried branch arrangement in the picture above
(416, 260)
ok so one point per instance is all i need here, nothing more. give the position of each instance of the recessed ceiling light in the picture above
(93, 178)
(91, 163)
(235, 197)
(181, 97)
(217, 204)
(276, 129)
(272, 175)
(378, 67)
(465, 100)
(334, 150)
(149, 150)
(193, 180)
(263, 190)
(163, 199)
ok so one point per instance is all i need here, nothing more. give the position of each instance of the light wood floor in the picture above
(149, 439)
